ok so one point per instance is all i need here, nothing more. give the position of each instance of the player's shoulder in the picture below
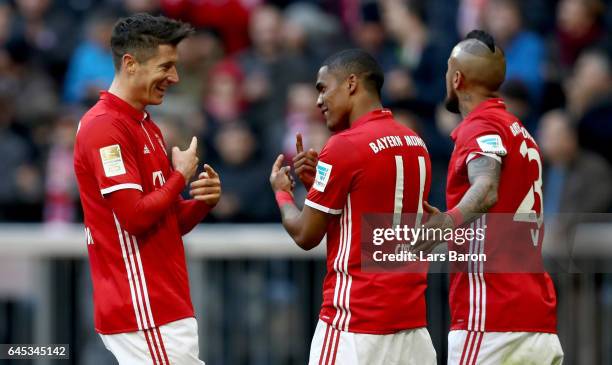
(339, 141)
(100, 120)
(487, 122)
(401, 128)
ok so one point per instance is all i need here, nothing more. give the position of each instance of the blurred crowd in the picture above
(247, 87)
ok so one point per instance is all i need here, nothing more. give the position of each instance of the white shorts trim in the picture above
(492, 348)
(120, 187)
(322, 208)
(333, 347)
(172, 343)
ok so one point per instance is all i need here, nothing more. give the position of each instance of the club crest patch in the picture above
(491, 143)
(322, 176)
(112, 161)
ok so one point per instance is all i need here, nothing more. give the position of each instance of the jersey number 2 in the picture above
(526, 211)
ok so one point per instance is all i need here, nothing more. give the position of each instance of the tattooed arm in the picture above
(483, 173)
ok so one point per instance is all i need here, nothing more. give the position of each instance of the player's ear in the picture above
(352, 83)
(458, 80)
(128, 63)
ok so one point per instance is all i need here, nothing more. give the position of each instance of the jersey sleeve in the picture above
(112, 158)
(482, 138)
(333, 177)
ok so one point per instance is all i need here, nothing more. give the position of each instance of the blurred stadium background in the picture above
(246, 88)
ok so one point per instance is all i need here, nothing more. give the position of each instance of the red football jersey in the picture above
(510, 291)
(139, 282)
(376, 166)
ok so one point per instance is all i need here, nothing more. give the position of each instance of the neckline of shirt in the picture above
(486, 104)
(373, 115)
(123, 106)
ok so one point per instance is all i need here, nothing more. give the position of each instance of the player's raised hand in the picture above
(280, 178)
(207, 187)
(305, 163)
(186, 162)
(436, 220)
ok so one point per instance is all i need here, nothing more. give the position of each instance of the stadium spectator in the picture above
(420, 55)
(578, 26)
(369, 35)
(20, 185)
(239, 162)
(34, 91)
(198, 54)
(61, 193)
(516, 96)
(589, 99)
(229, 18)
(524, 50)
(576, 180)
(267, 69)
(47, 31)
(91, 66)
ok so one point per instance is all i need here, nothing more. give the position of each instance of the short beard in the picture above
(452, 105)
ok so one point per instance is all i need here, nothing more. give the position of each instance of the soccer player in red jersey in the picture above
(366, 318)
(501, 312)
(134, 214)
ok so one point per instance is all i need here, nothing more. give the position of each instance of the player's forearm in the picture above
(484, 174)
(137, 212)
(290, 215)
(190, 213)
(479, 198)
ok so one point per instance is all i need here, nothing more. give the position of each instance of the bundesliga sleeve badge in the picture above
(491, 143)
(322, 176)
(112, 161)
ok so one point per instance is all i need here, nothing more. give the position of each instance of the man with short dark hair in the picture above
(503, 307)
(134, 214)
(372, 164)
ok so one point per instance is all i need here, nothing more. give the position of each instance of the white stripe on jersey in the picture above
(137, 279)
(144, 282)
(138, 286)
(481, 273)
(339, 278)
(322, 207)
(346, 262)
(342, 291)
(477, 284)
(477, 281)
(129, 273)
(157, 341)
(113, 188)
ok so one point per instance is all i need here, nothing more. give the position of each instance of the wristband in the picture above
(283, 197)
(456, 216)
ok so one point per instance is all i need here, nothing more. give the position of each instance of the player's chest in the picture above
(151, 156)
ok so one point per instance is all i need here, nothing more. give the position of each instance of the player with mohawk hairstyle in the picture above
(499, 314)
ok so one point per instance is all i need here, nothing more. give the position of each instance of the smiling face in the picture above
(152, 77)
(333, 99)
